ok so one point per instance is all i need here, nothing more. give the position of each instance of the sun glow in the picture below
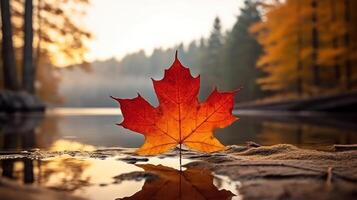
(121, 27)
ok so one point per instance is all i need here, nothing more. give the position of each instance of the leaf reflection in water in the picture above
(167, 183)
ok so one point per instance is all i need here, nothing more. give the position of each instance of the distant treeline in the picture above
(226, 60)
(281, 49)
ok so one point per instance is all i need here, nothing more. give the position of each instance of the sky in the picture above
(125, 26)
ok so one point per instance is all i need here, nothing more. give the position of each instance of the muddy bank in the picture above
(264, 172)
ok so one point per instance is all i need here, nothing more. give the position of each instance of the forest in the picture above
(276, 50)
(35, 37)
(282, 50)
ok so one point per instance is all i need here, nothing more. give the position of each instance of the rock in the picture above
(286, 172)
(133, 160)
(11, 101)
(344, 147)
(251, 144)
(137, 176)
(235, 148)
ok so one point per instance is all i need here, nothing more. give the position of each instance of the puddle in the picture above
(225, 183)
(121, 177)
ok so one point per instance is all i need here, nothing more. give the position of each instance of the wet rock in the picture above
(266, 151)
(137, 176)
(287, 172)
(99, 156)
(169, 154)
(11, 101)
(201, 155)
(235, 149)
(110, 149)
(344, 147)
(219, 159)
(296, 189)
(133, 160)
(251, 144)
(193, 155)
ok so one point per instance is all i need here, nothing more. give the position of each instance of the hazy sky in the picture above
(124, 26)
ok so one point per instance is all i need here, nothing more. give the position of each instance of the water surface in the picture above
(97, 127)
(112, 178)
(70, 129)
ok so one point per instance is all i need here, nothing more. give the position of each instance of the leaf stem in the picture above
(180, 158)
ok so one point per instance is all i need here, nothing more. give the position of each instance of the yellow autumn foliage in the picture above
(286, 35)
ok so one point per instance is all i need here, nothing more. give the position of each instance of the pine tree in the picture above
(212, 63)
(193, 57)
(241, 53)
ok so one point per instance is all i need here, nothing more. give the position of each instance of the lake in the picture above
(96, 127)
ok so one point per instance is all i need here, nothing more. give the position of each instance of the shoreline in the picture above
(337, 103)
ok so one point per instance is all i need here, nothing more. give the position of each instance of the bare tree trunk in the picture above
(335, 43)
(9, 64)
(28, 65)
(39, 34)
(347, 45)
(315, 44)
(299, 81)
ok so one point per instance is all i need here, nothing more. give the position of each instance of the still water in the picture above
(112, 178)
(97, 127)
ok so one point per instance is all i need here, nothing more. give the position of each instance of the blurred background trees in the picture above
(309, 47)
(275, 50)
(7, 50)
(241, 53)
(43, 35)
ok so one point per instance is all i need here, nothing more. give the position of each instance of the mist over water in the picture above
(116, 78)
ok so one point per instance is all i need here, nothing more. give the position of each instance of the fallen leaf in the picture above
(180, 118)
(174, 184)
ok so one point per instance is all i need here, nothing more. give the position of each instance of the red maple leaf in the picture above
(180, 118)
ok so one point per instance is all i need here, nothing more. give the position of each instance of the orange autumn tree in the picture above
(309, 46)
(59, 39)
(278, 36)
(180, 119)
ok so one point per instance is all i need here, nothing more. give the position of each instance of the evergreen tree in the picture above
(212, 63)
(193, 57)
(241, 53)
(202, 46)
